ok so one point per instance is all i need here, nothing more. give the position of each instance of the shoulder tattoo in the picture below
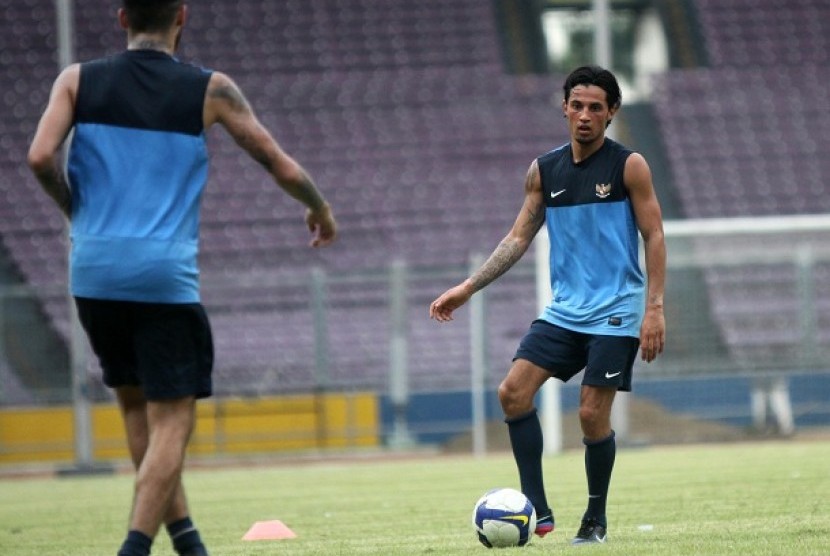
(232, 95)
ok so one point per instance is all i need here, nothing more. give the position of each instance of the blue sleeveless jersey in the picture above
(597, 283)
(137, 167)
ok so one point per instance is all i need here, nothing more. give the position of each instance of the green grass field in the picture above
(752, 498)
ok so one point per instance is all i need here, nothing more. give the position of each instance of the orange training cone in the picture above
(268, 531)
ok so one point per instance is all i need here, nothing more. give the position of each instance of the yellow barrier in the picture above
(224, 426)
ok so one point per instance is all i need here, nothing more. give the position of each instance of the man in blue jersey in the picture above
(136, 171)
(595, 196)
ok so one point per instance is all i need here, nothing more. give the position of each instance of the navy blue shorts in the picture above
(165, 348)
(607, 360)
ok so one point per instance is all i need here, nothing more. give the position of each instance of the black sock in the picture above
(599, 463)
(526, 441)
(184, 535)
(136, 544)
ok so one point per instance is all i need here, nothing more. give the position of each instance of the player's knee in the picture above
(506, 395)
(513, 401)
(588, 416)
(593, 421)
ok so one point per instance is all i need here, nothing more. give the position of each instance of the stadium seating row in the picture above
(406, 119)
(753, 33)
(403, 116)
(749, 137)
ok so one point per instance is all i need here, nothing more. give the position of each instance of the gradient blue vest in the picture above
(137, 167)
(597, 283)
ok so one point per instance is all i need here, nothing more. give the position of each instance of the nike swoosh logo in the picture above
(612, 375)
(523, 518)
(552, 194)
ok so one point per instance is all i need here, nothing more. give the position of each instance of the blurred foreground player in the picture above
(136, 171)
(594, 195)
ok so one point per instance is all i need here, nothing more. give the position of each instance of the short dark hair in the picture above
(595, 75)
(151, 15)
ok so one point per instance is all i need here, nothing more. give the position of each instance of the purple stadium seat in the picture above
(402, 115)
(746, 138)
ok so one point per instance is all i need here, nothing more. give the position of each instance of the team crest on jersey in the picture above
(603, 190)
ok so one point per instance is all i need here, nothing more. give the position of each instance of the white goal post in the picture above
(713, 241)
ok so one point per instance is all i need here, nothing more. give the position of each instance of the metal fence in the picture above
(747, 306)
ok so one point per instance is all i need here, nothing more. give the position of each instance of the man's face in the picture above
(588, 113)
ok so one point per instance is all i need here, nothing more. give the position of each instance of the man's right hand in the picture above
(442, 308)
(322, 226)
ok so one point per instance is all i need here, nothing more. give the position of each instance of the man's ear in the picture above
(611, 113)
(122, 19)
(181, 15)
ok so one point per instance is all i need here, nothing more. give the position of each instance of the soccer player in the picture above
(594, 195)
(136, 171)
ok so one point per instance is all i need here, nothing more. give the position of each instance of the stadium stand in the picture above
(748, 137)
(748, 142)
(760, 33)
(405, 118)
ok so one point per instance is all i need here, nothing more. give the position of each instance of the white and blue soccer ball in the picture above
(504, 517)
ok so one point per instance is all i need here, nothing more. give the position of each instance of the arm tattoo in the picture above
(234, 97)
(303, 189)
(237, 102)
(55, 185)
(504, 257)
(536, 214)
(511, 249)
(535, 220)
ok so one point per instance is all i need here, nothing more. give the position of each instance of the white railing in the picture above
(744, 297)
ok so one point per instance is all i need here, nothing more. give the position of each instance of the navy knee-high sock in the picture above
(184, 535)
(599, 463)
(136, 544)
(526, 441)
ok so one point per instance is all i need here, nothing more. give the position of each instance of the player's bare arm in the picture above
(507, 253)
(225, 104)
(44, 153)
(638, 181)
(515, 244)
